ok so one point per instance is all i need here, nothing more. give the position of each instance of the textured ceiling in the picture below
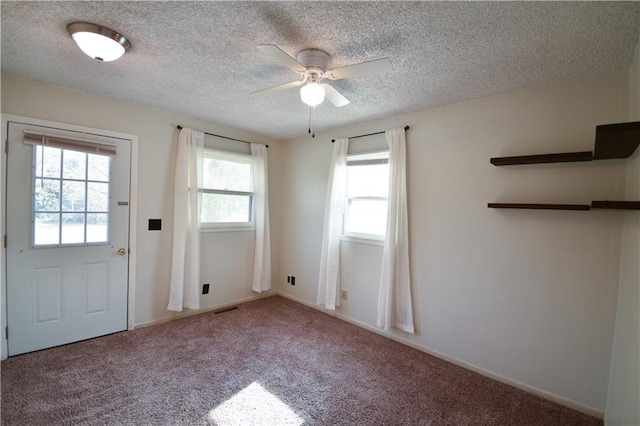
(200, 58)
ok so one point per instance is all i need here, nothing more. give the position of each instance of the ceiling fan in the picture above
(313, 67)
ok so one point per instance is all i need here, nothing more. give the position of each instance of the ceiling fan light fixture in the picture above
(98, 42)
(312, 94)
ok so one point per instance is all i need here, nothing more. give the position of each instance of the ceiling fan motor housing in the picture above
(314, 59)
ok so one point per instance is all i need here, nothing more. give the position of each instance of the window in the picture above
(227, 188)
(367, 195)
(71, 197)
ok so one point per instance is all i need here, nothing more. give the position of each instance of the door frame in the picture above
(133, 212)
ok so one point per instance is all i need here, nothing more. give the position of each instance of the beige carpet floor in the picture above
(269, 362)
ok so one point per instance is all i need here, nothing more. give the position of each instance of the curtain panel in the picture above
(394, 299)
(329, 280)
(185, 261)
(262, 252)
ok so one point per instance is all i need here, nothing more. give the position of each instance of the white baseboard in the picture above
(522, 386)
(188, 312)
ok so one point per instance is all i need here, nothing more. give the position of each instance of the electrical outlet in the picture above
(344, 294)
(205, 288)
(289, 278)
(293, 280)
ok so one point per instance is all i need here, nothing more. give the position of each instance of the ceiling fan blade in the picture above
(364, 68)
(276, 53)
(334, 96)
(278, 88)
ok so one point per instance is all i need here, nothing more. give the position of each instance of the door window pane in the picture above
(97, 197)
(73, 194)
(47, 165)
(47, 192)
(72, 228)
(74, 165)
(98, 169)
(97, 227)
(47, 229)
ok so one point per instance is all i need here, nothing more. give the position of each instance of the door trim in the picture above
(133, 212)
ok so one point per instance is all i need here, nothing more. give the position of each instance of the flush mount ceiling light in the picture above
(98, 42)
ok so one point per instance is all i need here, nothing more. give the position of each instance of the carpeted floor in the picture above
(269, 362)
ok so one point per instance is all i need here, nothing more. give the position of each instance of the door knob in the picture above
(122, 251)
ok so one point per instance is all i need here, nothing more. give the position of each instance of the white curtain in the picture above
(185, 262)
(262, 252)
(394, 299)
(329, 282)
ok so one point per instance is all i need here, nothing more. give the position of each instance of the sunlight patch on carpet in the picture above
(254, 405)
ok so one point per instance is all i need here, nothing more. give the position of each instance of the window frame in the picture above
(60, 211)
(363, 159)
(229, 226)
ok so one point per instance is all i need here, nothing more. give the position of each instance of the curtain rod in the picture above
(223, 137)
(369, 134)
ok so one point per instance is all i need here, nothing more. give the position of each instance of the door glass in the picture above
(71, 197)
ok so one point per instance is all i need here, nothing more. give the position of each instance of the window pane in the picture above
(367, 216)
(47, 195)
(226, 175)
(47, 228)
(225, 208)
(74, 165)
(73, 194)
(97, 226)
(72, 228)
(51, 159)
(368, 181)
(98, 168)
(97, 197)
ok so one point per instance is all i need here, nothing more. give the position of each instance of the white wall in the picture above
(623, 399)
(227, 258)
(529, 295)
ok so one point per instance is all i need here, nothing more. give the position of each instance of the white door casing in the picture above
(58, 295)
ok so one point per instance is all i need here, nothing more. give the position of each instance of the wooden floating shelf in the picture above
(609, 205)
(529, 206)
(567, 157)
(616, 205)
(612, 141)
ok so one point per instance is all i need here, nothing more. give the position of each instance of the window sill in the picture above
(365, 240)
(227, 228)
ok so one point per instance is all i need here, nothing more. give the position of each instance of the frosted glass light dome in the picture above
(312, 94)
(99, 43)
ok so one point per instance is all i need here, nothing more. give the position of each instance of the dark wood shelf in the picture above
(609, 205)
(567, 157)
(616, 205)
(530, 206)
(616, 140)
(612, 141)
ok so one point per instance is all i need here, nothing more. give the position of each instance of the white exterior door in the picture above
(67, 236)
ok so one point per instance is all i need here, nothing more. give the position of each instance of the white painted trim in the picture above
(133, 231)
(133, 196)
(204, 229)
(190, 313)
(522, 386)
(354, 239)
